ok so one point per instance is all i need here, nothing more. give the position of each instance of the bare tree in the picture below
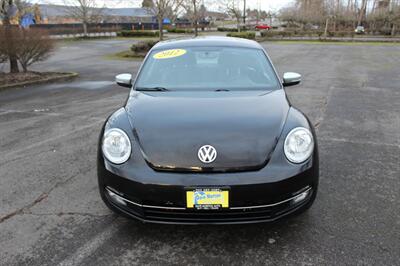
(86, 11)
(23, 7)
(29, 46)
(362, 12)
(377, 15)
(244, 12)
(231, 8)
(161, 9)
(192, 8)
(33, 46)
(394, 16)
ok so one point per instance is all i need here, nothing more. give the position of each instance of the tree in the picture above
(33, 46)
(394, 17)
(161, 9)
(28, 45)
(37, 14)
(7, 10)
(362, 12)
(173, 14)
(85, 11)
(149, 4)
(376, 15)
(288, 14)
(23, 7)
(192, 12)
(244, 12)
(232, 9)
(202, 13)
(265, 15)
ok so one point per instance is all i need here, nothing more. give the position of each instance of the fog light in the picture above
(302, 196)
(116, 198)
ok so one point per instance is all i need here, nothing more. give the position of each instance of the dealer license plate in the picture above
(207, 199)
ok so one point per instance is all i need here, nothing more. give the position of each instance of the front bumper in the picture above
(234, 215)
(249, 203)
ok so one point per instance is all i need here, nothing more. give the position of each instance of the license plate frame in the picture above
(207, 198)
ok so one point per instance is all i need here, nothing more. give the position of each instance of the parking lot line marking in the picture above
(92, 245)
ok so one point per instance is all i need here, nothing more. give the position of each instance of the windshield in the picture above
(206, 69)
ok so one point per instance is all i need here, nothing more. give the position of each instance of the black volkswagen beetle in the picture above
(207, 135)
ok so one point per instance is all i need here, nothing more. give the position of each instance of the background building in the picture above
(57, 14)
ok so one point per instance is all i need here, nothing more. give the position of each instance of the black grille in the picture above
(199, 216)
(153, 214)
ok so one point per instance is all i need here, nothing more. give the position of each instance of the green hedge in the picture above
(179, 30)
(300, 33)
(341, 34)
(245, 35)
(242, 28)
(137, 33)
(227, 29)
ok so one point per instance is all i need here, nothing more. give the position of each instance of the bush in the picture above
(141, 48)
(242, 28)
(385, 31)
(344, 34)
(245, 35)
(291, 33)
(274, 34)
(339, 34)
(34, 46)
(137, 33)
(227, 29)
(180, 30)
(270, 34)
(7, 44)
(28, 46)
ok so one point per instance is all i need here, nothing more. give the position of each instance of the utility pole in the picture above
(244, 13)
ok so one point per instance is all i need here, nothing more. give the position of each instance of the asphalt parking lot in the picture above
(51, 212)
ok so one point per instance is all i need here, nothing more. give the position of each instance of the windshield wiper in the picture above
(222, 90)
(152, 89)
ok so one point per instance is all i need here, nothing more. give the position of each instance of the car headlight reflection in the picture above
(116, 146)
(299, 145)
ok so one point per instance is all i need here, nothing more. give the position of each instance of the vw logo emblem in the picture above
(207, 154)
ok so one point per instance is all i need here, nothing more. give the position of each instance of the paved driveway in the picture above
(51, 212)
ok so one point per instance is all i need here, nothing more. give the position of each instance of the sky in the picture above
(268, 5)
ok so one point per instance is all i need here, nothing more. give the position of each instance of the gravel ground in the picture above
(51, 213)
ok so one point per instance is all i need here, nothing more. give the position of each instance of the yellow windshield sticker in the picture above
(169, 54)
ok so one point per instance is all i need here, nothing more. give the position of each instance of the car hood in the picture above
(243, 127)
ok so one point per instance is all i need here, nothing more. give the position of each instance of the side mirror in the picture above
(291, 78)
(124, 80)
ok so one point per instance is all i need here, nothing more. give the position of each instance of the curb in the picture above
(62, 77)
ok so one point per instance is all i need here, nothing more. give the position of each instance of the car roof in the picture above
(207, 41)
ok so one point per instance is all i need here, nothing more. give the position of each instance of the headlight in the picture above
(116, 146)
(299, 145)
